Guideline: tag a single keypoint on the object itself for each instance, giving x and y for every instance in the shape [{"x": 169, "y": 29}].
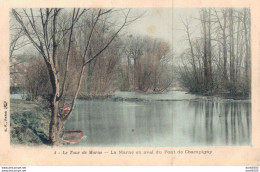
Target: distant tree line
[
  {"x": 131, "y": 63},
  {"x": 146, "y": 64},
  {"x": 218, "y": 59}
]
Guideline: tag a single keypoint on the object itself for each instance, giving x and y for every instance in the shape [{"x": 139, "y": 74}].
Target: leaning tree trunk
[{"x": 56, "y": 125}]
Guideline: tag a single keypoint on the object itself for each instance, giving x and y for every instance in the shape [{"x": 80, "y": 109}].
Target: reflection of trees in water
[
  {"x": 248, "y": 121},
  {"x": 221, "y": 123},
  {"x": 128, "y": 124},
  {"x": 209, "y": 121},
  {"x": 162, "y": 123},
  {"x": 226, "y": 110}
]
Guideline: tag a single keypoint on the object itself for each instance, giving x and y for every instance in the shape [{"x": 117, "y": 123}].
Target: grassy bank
[
  {"x": 29, "y": 123},
  {"x": 97, "y": 96},
  {"x": 227, "y": 95}
]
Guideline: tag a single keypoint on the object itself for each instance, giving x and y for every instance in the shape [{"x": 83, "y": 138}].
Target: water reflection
[
  {"x": 162, "y": 123},
  {"x": 222, "y": 123}
]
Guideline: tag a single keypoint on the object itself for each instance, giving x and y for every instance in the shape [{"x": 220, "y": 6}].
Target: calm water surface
[{"x": 162, "y": 120}]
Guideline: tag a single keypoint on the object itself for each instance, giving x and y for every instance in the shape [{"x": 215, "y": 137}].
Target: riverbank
[
  {"x": 167, "y": 95},
  {"x": 101, "y": 96},
  {"x": 29, "y": 123},
  {"x": 238, "y": 96},
  {"x": 113, "y": 95}
]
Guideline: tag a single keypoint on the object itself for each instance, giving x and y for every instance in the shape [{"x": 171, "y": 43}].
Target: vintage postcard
[{"x": 130, "y": 82}]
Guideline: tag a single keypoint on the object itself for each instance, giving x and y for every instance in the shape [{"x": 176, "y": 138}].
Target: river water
[{"x": 170, "y": 119}]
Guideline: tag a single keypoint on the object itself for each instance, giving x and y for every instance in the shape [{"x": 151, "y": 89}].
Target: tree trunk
[
  {"x": 248, "y": 55},
  {"x": 211, "y": 85},
  {"x": 195, "y": 74},
  {"x": 56, "y": 125},
  {"x": 208, "y": 80},
  {"x": 225, "y": 75},
  {"x": 232, "y": 71}
]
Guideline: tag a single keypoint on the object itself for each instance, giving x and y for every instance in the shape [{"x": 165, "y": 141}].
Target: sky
[
  {"x": 162, "y": 23},
  {"x": 165, "y": 24}
]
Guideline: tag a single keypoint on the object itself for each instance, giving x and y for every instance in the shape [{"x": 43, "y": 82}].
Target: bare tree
[
  {"x": 223, "y": 27},
  {"x": 36, "y": 79},
  {"x": 187, "y": 26},
  {"x": 42, "y": 28},
  {"x": 149, "y": 69},
  {"x": 221, "y": 52},
  {"x": 246, "y": 24},
  {"x": 134, "y": 51}
]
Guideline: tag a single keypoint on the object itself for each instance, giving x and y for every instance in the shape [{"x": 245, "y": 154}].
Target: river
[{"x": 175, "y": 118}]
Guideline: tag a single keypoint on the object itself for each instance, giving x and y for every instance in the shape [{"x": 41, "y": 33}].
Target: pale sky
[{"x": 164, "y": 23}]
